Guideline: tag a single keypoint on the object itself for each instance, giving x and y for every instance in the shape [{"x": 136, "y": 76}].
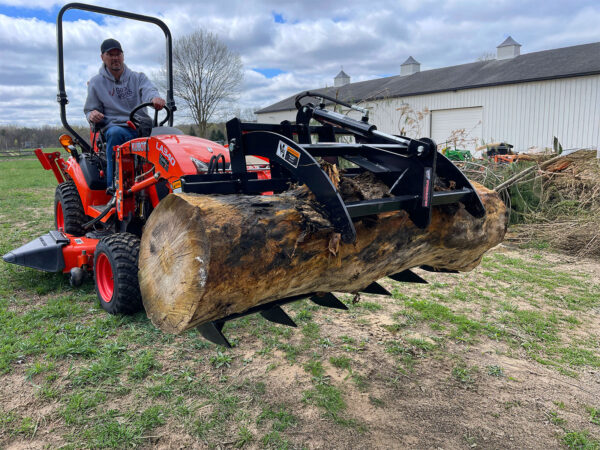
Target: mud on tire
[
  {"x": 68, "y": 210},
  {"x": 116, "y": 273}
]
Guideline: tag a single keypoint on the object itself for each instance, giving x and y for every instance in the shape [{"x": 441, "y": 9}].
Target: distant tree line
[{"x": 13, "y": 137}]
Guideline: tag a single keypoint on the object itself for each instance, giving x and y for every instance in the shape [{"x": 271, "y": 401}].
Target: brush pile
[{"x": 554, "y": 204}]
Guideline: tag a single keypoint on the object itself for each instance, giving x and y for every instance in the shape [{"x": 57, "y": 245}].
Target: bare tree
[
  {"x": 206, "y": 75},
  {"x": 245, "y": 114},
  {"x": 487, "y": 56}
]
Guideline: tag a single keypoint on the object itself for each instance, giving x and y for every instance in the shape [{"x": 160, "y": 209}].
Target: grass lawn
[{"x": 507, "y": 355}]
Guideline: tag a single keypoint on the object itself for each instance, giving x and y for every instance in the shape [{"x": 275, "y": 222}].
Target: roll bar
[{"x": 61, "y": 97}]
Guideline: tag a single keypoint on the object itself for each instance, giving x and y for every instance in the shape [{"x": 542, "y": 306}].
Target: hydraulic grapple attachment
[
  {"x": 412, "y": 169},
  {"x": 417, "y": 176}
]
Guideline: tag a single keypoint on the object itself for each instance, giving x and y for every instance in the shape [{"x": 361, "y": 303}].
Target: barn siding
[{"x": 524, "y": 114}]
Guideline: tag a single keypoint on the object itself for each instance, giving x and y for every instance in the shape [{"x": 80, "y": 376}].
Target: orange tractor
[{"x": 99, "y": 232}]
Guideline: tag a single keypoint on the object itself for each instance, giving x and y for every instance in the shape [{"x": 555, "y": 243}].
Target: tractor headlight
[{"x": 201, "y": 167}]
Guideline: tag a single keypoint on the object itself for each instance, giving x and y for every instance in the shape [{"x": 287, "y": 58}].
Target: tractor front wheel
[
  {"x": 69, "y": 216},
  {"x": 116, "y": 273}
]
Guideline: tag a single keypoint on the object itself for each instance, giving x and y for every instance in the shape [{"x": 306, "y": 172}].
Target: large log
[{"x": 206, "y": 257}]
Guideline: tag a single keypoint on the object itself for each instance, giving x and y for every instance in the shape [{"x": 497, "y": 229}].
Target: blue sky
[
  {"x": 285, "y": 46},
  {"x": 48, "y": 15}
]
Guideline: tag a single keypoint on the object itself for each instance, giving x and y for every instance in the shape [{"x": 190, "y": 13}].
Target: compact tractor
[{"x": 100, "y": 233}]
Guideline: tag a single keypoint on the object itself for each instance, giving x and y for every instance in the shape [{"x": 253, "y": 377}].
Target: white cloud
[{"x": 367, "y": 39}]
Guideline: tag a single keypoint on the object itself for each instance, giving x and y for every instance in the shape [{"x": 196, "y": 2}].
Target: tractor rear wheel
[
  {"x": 116, "y": 273},
  {"x": 69, "y": 216}
]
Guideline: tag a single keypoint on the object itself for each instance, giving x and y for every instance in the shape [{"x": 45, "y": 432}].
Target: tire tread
[
  {"x": 73, "y": 214},
  {"x": 123, "y": 250}
]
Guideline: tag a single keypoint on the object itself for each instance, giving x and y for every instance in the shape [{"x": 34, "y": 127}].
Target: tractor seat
[
  {"x": 165, "y": 130},
  {"x": 91, "y": 166}
]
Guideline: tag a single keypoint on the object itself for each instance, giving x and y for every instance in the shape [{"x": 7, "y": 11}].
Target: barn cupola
[
  {"x": 410, "y": 66},
  {"x": 341, "y": 79},
  {"x": 508, "y": 49}
]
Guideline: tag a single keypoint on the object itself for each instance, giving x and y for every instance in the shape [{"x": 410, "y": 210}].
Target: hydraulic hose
[{"x": 95, "y": 220}]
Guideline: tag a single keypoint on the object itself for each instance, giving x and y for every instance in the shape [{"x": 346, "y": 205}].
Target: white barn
[{"x": 524, "y": 100}]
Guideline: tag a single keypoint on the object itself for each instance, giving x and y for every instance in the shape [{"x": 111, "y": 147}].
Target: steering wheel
[{"x": 155, "y": 121}]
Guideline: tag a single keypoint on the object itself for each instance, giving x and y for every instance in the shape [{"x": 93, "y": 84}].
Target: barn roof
[{"x": 578, "y": 60}]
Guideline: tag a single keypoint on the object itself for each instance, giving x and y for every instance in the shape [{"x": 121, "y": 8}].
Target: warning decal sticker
[
  {"x": 288, "y": 154},
  {"x": 176, "y": 186},
  {"x": 426, "y": 187}
]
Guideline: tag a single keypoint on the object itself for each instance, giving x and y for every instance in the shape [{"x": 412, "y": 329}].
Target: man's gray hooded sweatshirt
[{"x": 115, "y": 99}]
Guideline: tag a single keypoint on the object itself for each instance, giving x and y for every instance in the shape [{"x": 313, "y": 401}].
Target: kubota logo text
[{"x": 166, "y": 154}]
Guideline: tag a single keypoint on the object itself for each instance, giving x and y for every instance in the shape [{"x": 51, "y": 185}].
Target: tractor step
[{"x": 99, "y": 208}]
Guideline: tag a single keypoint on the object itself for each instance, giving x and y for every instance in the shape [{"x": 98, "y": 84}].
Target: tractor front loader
[{"x": 199, "y": 234}]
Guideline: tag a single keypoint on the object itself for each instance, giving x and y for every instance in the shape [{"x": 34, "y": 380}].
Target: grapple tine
[
  {"x": 211, "y": 331},
  {"x": 278, "y": 315},
  {"x": 433, "y": 269},
  {"x": 328, "y": 300},
  {"x": 376, "y": 288},
  {"x": 408, "y": 276}
]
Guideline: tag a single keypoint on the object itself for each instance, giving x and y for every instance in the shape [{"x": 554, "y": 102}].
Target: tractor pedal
[
  {"x": 328, "y": 301},
  {"x": 376, "y": 288},
  {"x": 211, "y": 331},
  {"x": 278, "y": 315},
  {"x": 99, "y": 208},
  {"x": 434, "y": 269},
  {"x": 408, "y": 276}
]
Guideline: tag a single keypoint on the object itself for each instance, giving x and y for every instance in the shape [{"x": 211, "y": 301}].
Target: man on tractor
[{"x": 112, "y": 94}]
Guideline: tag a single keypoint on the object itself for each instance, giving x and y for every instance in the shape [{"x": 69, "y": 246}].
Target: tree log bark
[{"x": 205, "y": 257}]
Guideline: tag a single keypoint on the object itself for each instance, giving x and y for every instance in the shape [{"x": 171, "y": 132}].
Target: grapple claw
[
  {"x": 328, "y": 300},
  {"x": 435, "y": 269},
  {"x": 278, "y": 315},
  {"x": 376, "y": 288},
  {"x": 408, "y": 276},
  {"x": 211, "y": 331}
]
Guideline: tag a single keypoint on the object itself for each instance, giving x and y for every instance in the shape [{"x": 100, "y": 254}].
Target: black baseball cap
[{"x": 110, "y": 44}]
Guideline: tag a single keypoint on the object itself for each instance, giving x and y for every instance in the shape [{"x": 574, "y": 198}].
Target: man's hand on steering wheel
[{"x": 158, "y": 103}]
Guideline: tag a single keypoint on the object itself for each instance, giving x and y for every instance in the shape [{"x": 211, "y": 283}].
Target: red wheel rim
[
  {"x": 104, "y": 278},
  {"x": 60, "y": 218}
]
